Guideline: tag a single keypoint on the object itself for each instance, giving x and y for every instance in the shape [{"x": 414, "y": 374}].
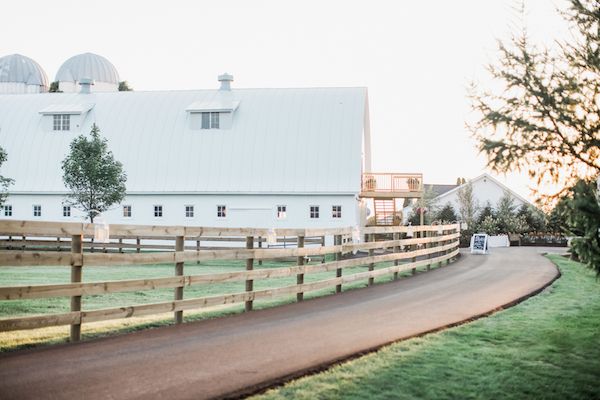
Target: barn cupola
[{"x": 225, "y": 80}]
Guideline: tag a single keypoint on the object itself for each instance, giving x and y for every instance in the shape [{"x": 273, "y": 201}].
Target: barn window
[
  {"x": 314, "y": 211},
  {"x": 66, "y": 211},
  {"x": 221, "y": 211},
  {"x": 37, "y": 211},
  {"x": 127, "y": 211},
  {"x": 62, "y": 122},
  {"x": 158, "y": 211},
  {"x": 336, "y": 211},
  {"x": 189, "y": 211},
  {"x": 281, "y": 212},
  {"x": 8, "y": 210},
  {"x": 210, "y": 120}
]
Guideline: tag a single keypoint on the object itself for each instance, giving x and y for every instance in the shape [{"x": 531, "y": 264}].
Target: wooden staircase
[{"x": 385, "y": 209}]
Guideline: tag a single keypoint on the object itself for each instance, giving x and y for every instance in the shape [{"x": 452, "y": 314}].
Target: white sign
[
  {"x": 101, "y": 230},
  {"x": 479, "y": 243}
]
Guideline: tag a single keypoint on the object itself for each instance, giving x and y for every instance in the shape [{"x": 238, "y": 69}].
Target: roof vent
[
  {"x": 225, "y": 80},
  {"x": 86, "y": 85}
]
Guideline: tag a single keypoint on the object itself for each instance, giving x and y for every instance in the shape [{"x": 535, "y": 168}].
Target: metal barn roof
[
  {"x": 87, "y": 65},
  {"x": 281, "y": 140},
  {"x": 20, "y": 69}
]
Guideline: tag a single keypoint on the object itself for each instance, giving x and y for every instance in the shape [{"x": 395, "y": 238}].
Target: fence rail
[{"x": 434, "y": 244}]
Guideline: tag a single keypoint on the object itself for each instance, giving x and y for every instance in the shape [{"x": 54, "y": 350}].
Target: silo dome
[
  {"x": 20, "y": 74},
  {"x": 89, "y": 66}
]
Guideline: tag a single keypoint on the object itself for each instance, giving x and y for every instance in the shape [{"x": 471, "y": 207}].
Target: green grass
[
  {"x": 547, "y": 347},
  {"x": 16, "y": 276}
]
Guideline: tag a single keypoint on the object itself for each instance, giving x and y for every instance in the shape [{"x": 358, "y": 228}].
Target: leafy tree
[
  {"x": 460, "y": 181},
  {"x": 545, "y": 117},
  {"x": 489, "y": 225},
  {"x": 96, "y": 180},
  {"x": 486, "y": 211},
  {"x": 428, "y": 203},
  {"x": 124, "y": 87},
  {"x": 534, "y": 218},
  {"x": 4, "y": 182},
  {"x": 582, "y": 211},
  {"x": 505, "y": 213},
  {"x": 54, "y": 87},
  {"x": 468, "y": 206},
  {"x": 446, "y": 214}
]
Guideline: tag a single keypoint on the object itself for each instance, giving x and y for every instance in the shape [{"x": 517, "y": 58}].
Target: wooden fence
[{"x": 36, "y": 246}]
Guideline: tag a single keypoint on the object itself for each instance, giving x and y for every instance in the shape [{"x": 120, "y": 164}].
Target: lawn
[
  {"x": 16, "y": 276},
  {"x": 546, "y": 347}
]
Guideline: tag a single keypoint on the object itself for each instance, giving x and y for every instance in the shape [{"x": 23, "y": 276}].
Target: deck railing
[
  {"x": 406, "y": 248},
  {"x": 373, "y": 182}
]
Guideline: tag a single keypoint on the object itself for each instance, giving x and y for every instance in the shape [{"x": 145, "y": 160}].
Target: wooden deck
[{"x": 391, "y": 185}]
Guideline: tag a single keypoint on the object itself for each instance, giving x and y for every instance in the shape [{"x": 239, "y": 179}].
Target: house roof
[
  {"x": 439, "y": 189},
  {"x": 281, "y": 140},
  {"x": 485, "y": 175}
]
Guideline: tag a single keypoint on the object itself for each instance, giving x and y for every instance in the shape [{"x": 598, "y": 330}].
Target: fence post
[
  {"x": 138, "y": 245},
  {"x": 337, "y": 240},
  {"x": 428, "y": 246},
  {"x": 179, "y": 243},
  {"x": 260, "y": 247},
  {"x": 323, "y": 244},
  {"x": 300, "y": 277},
  {"x": 120, "y": 245},
  {"x": 371, "y": 253},
  {"x": 413, "y": 248},
  {"x": 249, "y": 267},
  {"x": 396, "y": 236},
  {"x": 198, "y": 251},
  {"x": 76, "y": 272}
]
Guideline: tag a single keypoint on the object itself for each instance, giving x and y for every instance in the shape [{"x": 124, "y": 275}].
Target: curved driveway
[{"x": 239, "y": 354}]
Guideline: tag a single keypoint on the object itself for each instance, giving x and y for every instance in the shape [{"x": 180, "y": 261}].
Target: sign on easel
[{"x": 479, "y": 243}]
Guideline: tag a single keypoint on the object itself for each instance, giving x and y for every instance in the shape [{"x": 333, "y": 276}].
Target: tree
[
  {"x": 428, "y": 203},
  {"x": 582, "y": 210},
  {"x": 124, "y": 87},
  {"x": 54, "y": 87},
  {"x": 460, "y": 181},
  {"x": 96, "y": 180},
  {"x": 4, "y": 182},
  {"x": 533, "y": 217},
  {"x": 468, "y": 206},
  {"x": 545, "y": 118},
  {"x": 447, "y": 214},
  {"x": 486, "y": 211}
]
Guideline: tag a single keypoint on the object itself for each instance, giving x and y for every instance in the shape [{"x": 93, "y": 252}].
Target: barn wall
[{"x": 242, "y": 210}]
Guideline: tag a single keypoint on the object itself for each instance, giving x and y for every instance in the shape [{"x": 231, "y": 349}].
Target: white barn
[{"x": 219, "y": 157}]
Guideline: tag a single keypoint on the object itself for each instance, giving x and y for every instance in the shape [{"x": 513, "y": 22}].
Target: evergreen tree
[
  {"x": 582, "y": 211},
  {"x": 447, "y": 214},
  {"x": 124, "y": 87},
  {"x": 545, "y": 116},
  {"x": 486, "y": 211},
  {"x": 96, "y": 180}
]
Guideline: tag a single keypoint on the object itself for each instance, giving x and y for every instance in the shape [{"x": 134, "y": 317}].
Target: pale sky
[{"x": 415, "y": 57}]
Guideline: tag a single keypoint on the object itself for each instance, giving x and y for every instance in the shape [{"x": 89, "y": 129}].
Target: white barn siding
[
  {"x": 296, "y": 146},
  {"x": 242, "y": 210}
]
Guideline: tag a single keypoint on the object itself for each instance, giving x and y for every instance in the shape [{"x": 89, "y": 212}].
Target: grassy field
[
  {"x": 16, "y": 276},
  {"x": 547, "y": 347}
]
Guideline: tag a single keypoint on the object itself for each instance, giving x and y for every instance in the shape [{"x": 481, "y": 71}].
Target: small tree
[
  {"x": 124, "y": 87},
  {"x": 53, "y": 87},
  {"x": 582, "y": 211},
  {"x": 446, "y": 214},
  {"x": 468, "y": 206},
  {"x": 486, "y": 211},
  {"x": 96, "y": 180},
  {"x": 534, "y": 218},
  {"x": 4, "y": 182},
  {"x": 505, "y": 213}
]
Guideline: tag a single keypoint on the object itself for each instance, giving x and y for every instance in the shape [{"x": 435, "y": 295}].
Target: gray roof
[
  {"x": 440, "y": 189},
  {"x": 87, "y": 65},
  {"x": 20, "y": 69},
  {"x": 281, "y": 140}
]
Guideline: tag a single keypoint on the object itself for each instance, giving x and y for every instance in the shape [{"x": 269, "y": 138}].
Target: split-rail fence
[{"x": 34, "y": 243}]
